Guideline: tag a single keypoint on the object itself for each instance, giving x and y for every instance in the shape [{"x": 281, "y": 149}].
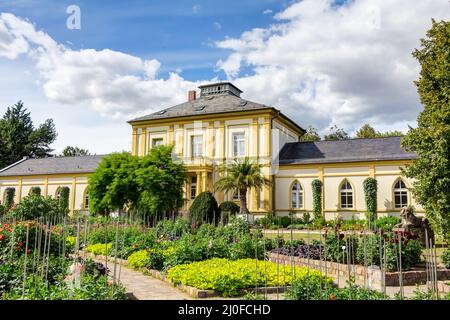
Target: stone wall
[{"x": 371, "y": 277}]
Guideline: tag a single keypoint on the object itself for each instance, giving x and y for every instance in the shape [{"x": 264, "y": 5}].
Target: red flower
[
  {"x": 2, "y": 236},
  {"x": 20, "y": 244},
  {"x": 332, "y": 297}
]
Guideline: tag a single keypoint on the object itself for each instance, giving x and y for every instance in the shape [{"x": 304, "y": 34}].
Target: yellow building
[
  {"x": 50, "y": 175},
  {"x": 218, "y": 126}
]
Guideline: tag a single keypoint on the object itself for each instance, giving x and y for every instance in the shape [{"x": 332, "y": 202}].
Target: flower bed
[{"x": 230, "y": 277}]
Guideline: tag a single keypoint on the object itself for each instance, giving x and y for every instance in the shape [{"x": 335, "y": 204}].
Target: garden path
[{"x": 144, "y": 287}]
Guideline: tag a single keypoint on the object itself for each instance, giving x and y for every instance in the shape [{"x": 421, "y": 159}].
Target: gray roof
[
  {"x": 352, "y": 150},
  {"x": 212, "y": 104},
  {"x": 54, "y": 165}
]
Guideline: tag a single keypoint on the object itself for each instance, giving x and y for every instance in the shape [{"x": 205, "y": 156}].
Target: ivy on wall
[
  {"x": 9, "y": 200},
  {"x": 370, "y": 193},
  {"x": 64, "y": 199},
  {"x": 317, "y": 198},
  {"x": 35, "y": 191}
]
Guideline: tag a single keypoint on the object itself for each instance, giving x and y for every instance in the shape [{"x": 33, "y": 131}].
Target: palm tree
[{"x": 240, "y": 176}]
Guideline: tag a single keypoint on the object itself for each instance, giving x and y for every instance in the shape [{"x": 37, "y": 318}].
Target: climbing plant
[
  {"x": 370, "y": 186},
  {"x": 35, "y": 191},
  {"x": 317, "y": 198},
  {"x": 64, "y": 199},
  {"x": 9, "y": 200}
]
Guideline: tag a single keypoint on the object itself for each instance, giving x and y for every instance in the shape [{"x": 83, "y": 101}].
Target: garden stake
[
  {"x": 256, "y": 266},
  {"x": 12, "y": 239},
  {"x": 426, "y": 259},
  {"x": 48, "y": 252},
  {"x": 115, "y": 256},
  {"x": 278, "y": 257},
  {"x": 435, "y": 271},
  {"x": 25, "y": 262},
  {"x": 365, "y": 258},
  {"x": 45, "y": 250},
  {"x": 35, "y": 244}
]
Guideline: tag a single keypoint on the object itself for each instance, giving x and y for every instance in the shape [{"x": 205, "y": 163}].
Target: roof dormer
[{"x": 219, "y": 88}]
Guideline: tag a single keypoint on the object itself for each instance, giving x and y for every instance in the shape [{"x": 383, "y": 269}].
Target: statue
[{"x": 415, "y": 227}]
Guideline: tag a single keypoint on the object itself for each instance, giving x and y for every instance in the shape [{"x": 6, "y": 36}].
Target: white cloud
[
  {"x": 267, "y": 11},
  {"x": 318, "y": 63},
  {"x": 113, "y": 83},
  {"x": 344, "y": 65},
  {"x": 217, "y": 25},
  {"x": 195, "y": 8}
]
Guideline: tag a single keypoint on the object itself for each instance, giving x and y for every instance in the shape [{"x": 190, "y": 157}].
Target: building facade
[{"x": 218, "y": 126}]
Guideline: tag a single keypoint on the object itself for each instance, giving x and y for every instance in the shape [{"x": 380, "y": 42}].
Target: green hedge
[
  {"x": 204, "y": 209},
  {"x": 370, "y": 186},
  {"x": 317, "y": 198}
]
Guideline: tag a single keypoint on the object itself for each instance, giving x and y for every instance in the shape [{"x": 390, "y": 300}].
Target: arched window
[
  {"x": 400, "y": 194},
  {"x": 346, "y": 194},
  {"x": 86, "y": 199},
  {"x": 296, "y": 195},
  {"x": 58, "y": 193}
]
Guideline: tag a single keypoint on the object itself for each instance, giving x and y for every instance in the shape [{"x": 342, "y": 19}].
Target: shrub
[
  {"x": 387, "y": 223},
  {"x": 230, "y": 277},
  {"x": 36, "y": 191},
  {"x": 63, "y": 199},
  {"x": 446, "y": 258},
  {"x": 139, "y": 259},
  {"x": 310, "y": 287},
  {"x": 317, "y": 198},
  {"x": 204, "y": 209},
  {"x": 229, "y": 206},
  {"x": 315, "y": 288},
  {"x": 228, "y": 209},
  {"x": 35, "y": 206},
  {"x": 370, "y": 186},
  {"x": 411, "y": 252},
  {"x": 100, "y": 248},
  {"x": 334, "y": 248},
  {"x": 9, "y": 199}
]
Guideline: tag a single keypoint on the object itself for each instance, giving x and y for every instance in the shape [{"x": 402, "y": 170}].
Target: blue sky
[
  {"x": 321, "y": 62},
  {"x": 179, "y": 34}
]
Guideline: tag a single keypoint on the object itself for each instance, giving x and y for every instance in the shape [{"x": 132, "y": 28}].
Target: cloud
[
  {"x": 319, "y": 63},
  {"x": 217, "y": 25},
  {"x": 267, "y": 11},
  {"x": 114, "y": 83},
  {"x": 195, "y": 8},
  {"x": 324, "y": 64}
]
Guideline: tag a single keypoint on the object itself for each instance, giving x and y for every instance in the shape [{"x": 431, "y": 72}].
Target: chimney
[{"x": 192, "y": 95}]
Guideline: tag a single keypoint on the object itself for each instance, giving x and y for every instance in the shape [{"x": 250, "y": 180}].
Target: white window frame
[
  {"x": 297, "y": 196},
  {"x": 346, "y": 191},
  {"x": 196, "y": 146},
  {"x": 401, "y": 192},
  {"x": 239, "y": 144}
]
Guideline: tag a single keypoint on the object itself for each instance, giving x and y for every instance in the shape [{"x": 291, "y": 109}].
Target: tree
[
  {"x": 70, "y": 151},
  {"x": 239, "y": 177},
  {"x": 160, "y": 182},
  {"x": 113, "y": 184},
  {"x": 431, "y": 139},
  {"x": 336, "y": 134},
  {"x": 19, "y": 138},
  {"x": 366, "y": 131},
  {"x": 310, "y": 135},
  {"x": 394, "y": 133},
  {"x": 204, "y": 209},
  {"x": 151, "y": 185}
]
